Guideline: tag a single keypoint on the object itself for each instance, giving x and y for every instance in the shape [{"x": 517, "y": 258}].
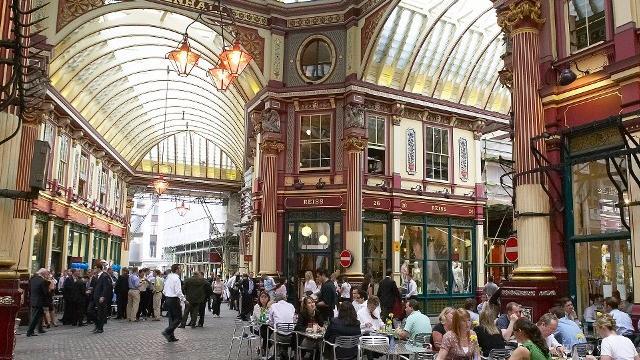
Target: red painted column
[
  {"x": 533, "y": 282},
  {"x": 10, "y": 298},
  {"x": 354, "y": 147},
  {"x": 269, "y": 174}
]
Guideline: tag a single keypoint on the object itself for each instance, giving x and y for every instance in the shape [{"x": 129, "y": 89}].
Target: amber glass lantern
[
  {"x": 235, "y": 59},
  {"x": 182, "y": 58}
]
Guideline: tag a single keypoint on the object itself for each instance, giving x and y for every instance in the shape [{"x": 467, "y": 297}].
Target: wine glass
[{"x": 589, "y": 348}]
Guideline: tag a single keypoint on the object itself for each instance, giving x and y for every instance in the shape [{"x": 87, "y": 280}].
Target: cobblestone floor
[{"x": 131, "y": 341}]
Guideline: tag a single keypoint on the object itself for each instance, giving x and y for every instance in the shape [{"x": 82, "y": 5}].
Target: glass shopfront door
[{"x": 312, "y": 246}]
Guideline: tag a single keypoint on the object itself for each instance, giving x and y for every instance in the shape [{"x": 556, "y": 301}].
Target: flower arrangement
[
  {"x": 473, "y": 338},
  {"x": 475, "y": 323},
  {"x": 389, "y": 321},
  {"x": 580, "y": 336}
]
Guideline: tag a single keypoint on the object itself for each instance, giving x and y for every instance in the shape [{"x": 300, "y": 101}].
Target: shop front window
[
  {"x": 603, "y": 268},
  {"x": 411, "y": 254},
  {"x": 438, "y": 260},
  {"x": 586, "y": 23},
  {"x": 78, "y": 244},
  {"x": 461, "y": 260},
  {"x": 374, "y": 249},
  {"x": 596, "y": 204},
  {"x": 39, "y": 245},
  {"x": 314, "y": 236}
]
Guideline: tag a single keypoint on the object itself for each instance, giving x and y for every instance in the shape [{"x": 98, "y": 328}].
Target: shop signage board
[
  {"x": 511, "y": 249},
  {"x": 309, "y": 202},
  {"x": 345, "y": 258},
  {"x": 432, "y": 207},
  {"x": 376, "y": 203},
  {"x": 464, "y": 159},
  {"x": 411, "y": 151}
]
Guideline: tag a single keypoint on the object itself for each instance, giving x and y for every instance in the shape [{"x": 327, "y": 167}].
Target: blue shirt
[
  {"x": 268, "y": 284},
  {"x": 417, "y": 323},
  {"x": 569, "y": 333},
  {"x": 134, "y": 281}
]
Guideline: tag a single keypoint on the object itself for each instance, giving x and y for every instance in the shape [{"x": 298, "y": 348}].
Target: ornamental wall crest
[
  {"x": 438, "y": 119},
  {"x": 253, "y": 43},
  {"x": 69, "y": 10},
  {"x": 527, "y": 11},
  {"x": 270, "y": 120},
  {"x": 6, "y": 300},
  {"x": 353, "y": 116},
  {"x": 317, "y": 104},
  {"x": 377, "y": 106},
  {"x": 413, "y": 114}
]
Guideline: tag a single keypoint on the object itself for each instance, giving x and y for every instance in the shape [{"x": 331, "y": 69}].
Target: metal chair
[
  {"x": 499, "y": 354},
  {"x": 371, "y": 340},
  {"x": 242, "y": 333},
  {"x": 299, "y": 347},
  {"x": 282, "y": 335},
  {"x": 420, "y": 356},
  {"x": 581, "y": 349},
  {"x": 345, "y": 342}
]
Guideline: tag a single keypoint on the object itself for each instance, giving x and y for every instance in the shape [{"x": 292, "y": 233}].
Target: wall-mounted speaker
[{"x": 38, "y": 174}]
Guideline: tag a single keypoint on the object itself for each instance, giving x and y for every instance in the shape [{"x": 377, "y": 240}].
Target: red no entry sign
[
  {"x": 511, "y": 249},
  {"x": 345, "y": 258}
]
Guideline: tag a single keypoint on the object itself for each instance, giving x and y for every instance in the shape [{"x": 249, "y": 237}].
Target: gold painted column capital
[
  {"x": 271, "y": 147},
  {"x": 354, "y": 143},
  {"x": 524, "y": 15}
]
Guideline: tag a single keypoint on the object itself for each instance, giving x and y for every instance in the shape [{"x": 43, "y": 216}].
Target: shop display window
[
  {"x": 39, "y": 246},
  {"x": 374, "y": 239},
  {"x": 595, "y": 198},
  {"x": 411, "y": 254}
]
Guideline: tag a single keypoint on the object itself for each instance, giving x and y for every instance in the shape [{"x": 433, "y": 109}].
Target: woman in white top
[
  {"x": 614, "y": 346},
  {"x": 310, "y": 286},
  {"x": 369, "y": 316}
]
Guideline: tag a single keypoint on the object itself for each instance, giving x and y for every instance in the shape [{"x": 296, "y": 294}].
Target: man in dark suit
[
  {"x": 122, "y": 291},
  {"x": 68, "y": 297},
  {"x": 208, "y": 292},
  {"x": 37, "y": 298},
  {"x": 388, "y": 294},
  {"x": 102, "y": 294}
]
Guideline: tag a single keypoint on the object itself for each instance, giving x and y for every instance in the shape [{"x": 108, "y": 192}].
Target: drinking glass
[{"x": 589, "y": 348}]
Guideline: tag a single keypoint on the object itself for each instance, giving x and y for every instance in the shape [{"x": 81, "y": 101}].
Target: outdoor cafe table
[{"x": 401, "y": 348}]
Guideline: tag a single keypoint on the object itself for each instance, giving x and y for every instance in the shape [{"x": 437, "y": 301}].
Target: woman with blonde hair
[
  {"x": 489, "y": 336},
  {"x": 310, "y": 286},
  {"x": 614, "y": 346},
  {"x": 460, "y": 342},
  {"x": 438, "y": 331}
]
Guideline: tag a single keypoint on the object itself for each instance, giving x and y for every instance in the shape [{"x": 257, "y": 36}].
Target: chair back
[
  {"x": 581, "y": 349},
  {"x": 499, "y": 354},
  {"x": 425, "y": 356},
  {"x": 422, "y": 339},
  {"x": 347, "y": 342},
  {"x": 285, "y": 328},
  {"x": 373, "y": 340}
]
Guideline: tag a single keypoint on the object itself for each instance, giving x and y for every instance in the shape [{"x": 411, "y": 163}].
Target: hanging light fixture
[
  {"x": 160, "y": 185},
  {"x": 234, "y": 59},
  {"x": 323, "y": 239},
  {"x": 306, "y": 231},
  {"x": 182, "y": 58},
  {"x": 221, "y": 77},
  {"x": 182, "y": 209}
]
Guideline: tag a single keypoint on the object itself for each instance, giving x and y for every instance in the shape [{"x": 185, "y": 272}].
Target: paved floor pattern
[{"x": 131, "y": 341}]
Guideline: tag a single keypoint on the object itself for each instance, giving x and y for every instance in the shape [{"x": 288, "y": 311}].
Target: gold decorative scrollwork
[
  {"x": 522, "y": 12},
  {"x": 271, "y": 147},
  {"x": 6, "y": 300},
  {"x": 355, "y": 143}
]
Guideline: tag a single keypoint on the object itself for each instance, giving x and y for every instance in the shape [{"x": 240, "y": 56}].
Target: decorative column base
[
  {"x": 354, "y": 244},
  {"x": 535, "y": 296},
  {"x": 9, "y": 306}
]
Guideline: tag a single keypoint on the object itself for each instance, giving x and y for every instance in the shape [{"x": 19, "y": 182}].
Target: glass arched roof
[
  {"x": 189, "y": 153},
  {"x": 448, "y": 50},
  {"x": 113, "y": 70}
]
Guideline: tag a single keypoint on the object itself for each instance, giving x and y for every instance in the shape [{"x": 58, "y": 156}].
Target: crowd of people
[{"x": 328, "y": 302}]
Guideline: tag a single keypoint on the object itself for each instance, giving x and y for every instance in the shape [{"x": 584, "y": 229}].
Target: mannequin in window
[{"x": 458, "y": 277}]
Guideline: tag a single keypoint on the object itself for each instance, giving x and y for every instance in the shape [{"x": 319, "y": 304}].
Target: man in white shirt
[
  {"x": 624, "y": 326},
  {"x": 281, "y": 312},
  {"x": 590, "y": 312},
  {"x": 412, "y": 287},
  {"x": 173, "y": 295},
  {"x": 345, "y": 289}
]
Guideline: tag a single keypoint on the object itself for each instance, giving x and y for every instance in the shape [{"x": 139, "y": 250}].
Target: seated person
[
  {"x": 548, "y": 324},
  {"x": 416, "y": 322},
  {"x": 358, "y": 299},
  {"x": 506, "y": 321},
  {"x": 281, "y": 312},
  {"x": 489, "y": 336},
  {"x": 470, "y": 306},
  {"x": 568, "y": 332},
  {"x": 438, "y": 331},
  {"x": 369, "y": 316},
  {"x": 589, "y": 314},
  {"x": 345, "y": 324},
  {"x": 309, "y": 318},
  {"x": 624, "y": 326},
  {"x": 569, "y": 310},
  {"x": 614, "y": 346}
]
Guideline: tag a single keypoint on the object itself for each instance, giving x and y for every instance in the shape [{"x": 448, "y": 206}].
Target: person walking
[
  {"x": 208, "y": 291},
  {"x": 133, "y": 296},
  {"x": 158, "y": 286},
  {"x": 388, "y": 294},
  {"x": 173, "y": 295},
  {"x": 102, "y": 294},
  {"x": 194, "y": 291},
  {"x": 218, "y": 290},
  {"x": 122, "y": 290},
  {"x": 38, "y": 294}
]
